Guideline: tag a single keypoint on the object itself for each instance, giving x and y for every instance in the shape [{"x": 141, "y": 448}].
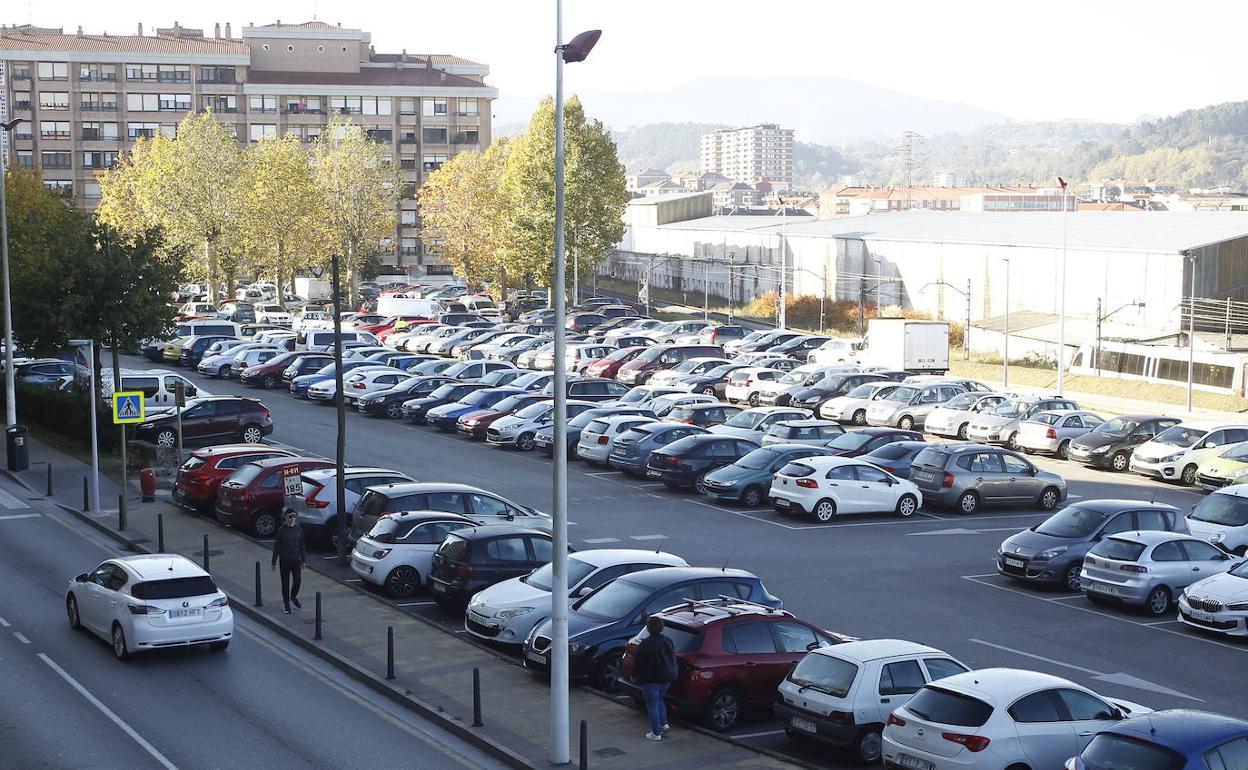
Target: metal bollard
[
  {"x": 476, "y": 698},
  {"x": 86, "y": 499},
  {"x": 584, "y": 745},
  {"x": 121, "y": 512},
  {"x": 259, "y": 602},
  {"x": 160, "y": 532},
  {"x": 389, "y": 652},
  {"x": 206, "y": 554},
  {"x": 49, "y": 479},
  {"x": 317, "y": 635}
]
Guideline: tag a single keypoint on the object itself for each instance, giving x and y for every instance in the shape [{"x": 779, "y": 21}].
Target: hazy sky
[{"x": 1098, "y": 59}]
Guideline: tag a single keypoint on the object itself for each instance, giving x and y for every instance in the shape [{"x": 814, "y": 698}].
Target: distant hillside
[{"x": 668, "y": 146}]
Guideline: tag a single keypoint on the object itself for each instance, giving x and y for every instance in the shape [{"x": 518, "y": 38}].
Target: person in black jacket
[
  {"x": 655, "y": 669},
  {"x": 289, "y": 553}
]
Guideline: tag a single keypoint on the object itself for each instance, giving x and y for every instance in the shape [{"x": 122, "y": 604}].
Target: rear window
[
  {"x": 934, "y": 704},
  {"x": 825, "y": 674},
  {"x": 455, "y": 548},
  {"x": 681, "y": 413},
  {"x": 1121, "y": 550},
  {"x": 245, "y": 475},
  {"x": 1118, "y": 752},
  {"x": 892, "y": 452},
  {"x": 174, "y": 588},
  {"x": 796, "y": 470},
  {"x": 684, "y": 638},
  {"x": 932, "y": 458},
  {"x": 193, "y": 463}
]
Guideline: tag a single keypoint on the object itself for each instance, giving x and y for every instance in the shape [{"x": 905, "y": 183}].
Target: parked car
[
  {"x": 753, "y": 424},
  {"x": 1000, "y": 425},
  {"x": 507, "y": 612},
  {"x": 690, "y": 367},
  {"x": 952, "y": 418},
  {"x": 217, "y": 361},
  {"x": 195, "y": 484},
  {"x": 642, "y": 394},
  {"x": 712, "y": 382},
  {"x": 594, "y": 444},
  {"x": 856, "y": 443},
  {"x": 836, "y": 350},
  {"x": 389, "y": 402},
  {"x": 301, "y": 386},
  {"x": 643, "y": 367},
  {"x": 149, "y": 602},
  {"x": 852, "y": 407},
  {"x": 475, "y": 558},
  {"x": 192, "y": 350},
  {"x": 813, "y": 432},
  {"x": 1052, "y": 551},
  {"x": 1110, "y": 444},
  {"x": 253, "y": 357},
  {"x": 448, "y": 393},
  {"x": 1221, "y": 518},
  {"x": 1148, "y": 569},
  {"x": 238, "y": 312},
  {"x": 446, "y": 417},
  {"x": 1174, "y": 739},
  {"x": 779, "y": 391},
  {"x": 685, "y": 463},
  {"x": 842, "y": 695},
  {"x": 895, "y": 457},
  {"x": 1176, "y": 453},
  {"x": 703, "y": 415},
  {"x": 745, "y": 384},
  {"x": 661, "y": 406},
  {"x": 1218, "y": 603},
  {"x": 207, "y": 419},
  {"x": 823, "y": 487},
  {"x": 1226, "y": 468},
  {"x": 975, "y": 720},
  {"x": 1050, "y": 432},
  {"x": 252, "y": 498},
  {"x": 584, "y": 388},
  {"x": 630, "y": 451},
  {"x": 477, "y": 504},
  {"x": 397, "y": 553},
  {"x": 600, "y": 624},
  {"x": 519, "y": 429},
  {"x": 966, "y": 476},
  {"x": 474, "y": 425},
  {"x": 368, "y": 376},
  {"x": 305, "y": 363},
  {"x": 747, "y": 480},
  {"x": 908, "y": 406},
  {"x": 544, "y": 439},
  {"x": 833, "y": 384},
  {"x": 317, "y": 508},
  {"x": 609, "y": 365},
  {"x": 273, "y": 314}
]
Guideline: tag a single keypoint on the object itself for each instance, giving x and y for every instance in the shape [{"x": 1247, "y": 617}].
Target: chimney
[
  {"x": 79, "y": 33},
  {"x": 442, "y": 75},
  {"x": 216, "y": 30},
  {"x": 227, "y": 31},
  {"x": 428, "y": 63},
  {"x": 140, "y": 29}
]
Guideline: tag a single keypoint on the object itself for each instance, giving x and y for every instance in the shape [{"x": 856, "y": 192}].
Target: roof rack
[{"x": 722, "y": 603}]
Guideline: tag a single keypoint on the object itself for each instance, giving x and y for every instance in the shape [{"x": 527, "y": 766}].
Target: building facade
[
  {"x": 84, "y": 99},
  {"x": 751, "y": 155}
]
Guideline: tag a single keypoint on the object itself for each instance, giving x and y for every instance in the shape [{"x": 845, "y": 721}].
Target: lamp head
[
  {"x": 581, "y": 45},
  {"x": 12, "y": 124}
]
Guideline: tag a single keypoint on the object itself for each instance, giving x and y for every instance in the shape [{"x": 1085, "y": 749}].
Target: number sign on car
[{"x": 292, "y": 484}]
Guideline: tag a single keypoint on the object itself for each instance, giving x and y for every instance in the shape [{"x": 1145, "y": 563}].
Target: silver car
[
  {"x": 908, "y": 406},
  {"x": 811, "y": 432},
  {"x": 1149, "y": 568},
  {"x": 317, "y": 508},
  {"x": 951, "y": 419},
  {"x": 598, "y": 437},
  {"x": 966, "y": 476},
  {"x": 1000, "y": 426},
  {"x": 1050, "y": 432},
  {"x": 852, "y": 407}
]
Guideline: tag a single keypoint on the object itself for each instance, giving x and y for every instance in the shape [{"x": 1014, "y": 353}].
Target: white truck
[
  {"x": 403, "y": 304},
  {"x": 312, "y": 289},
  {"x": 919, "y": 347}
]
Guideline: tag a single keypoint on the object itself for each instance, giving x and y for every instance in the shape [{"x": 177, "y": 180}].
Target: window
[
  {"x": 54, "y": 129},
  {"x": 219, "y": 103},
  {"x": 108, "y": 102},
  {"x": 216, "y": 74},
  {"x": 1015, "y": 465},
  {"x": 169, "y": 130},
  {"x": 141, "y": 72},
  {"x": 1083, "y": 706},
  {"x": 1037, "y": 707},
  {"x": 467, "y": 135},
  {"x": 749, "y": 639},
  {"x": 136, "y": 130},
  {"x": 901, "y": 678},
  {"x": 21, "y": 100},
  {"x": 451, "y": 502},
  {"x": 383, "y": 134},
  {"x": 407, "y": 217},
  {"x": 876, "y": 475},
  {"x": 1120, "y": 523},
  {"x": 21, "y": 72},
  {"x": 262, "y": 104},
  {"x": 982, "y": 462},
  {"x": 303, "y": 104},
  {"x": 466, "y": 108},
  {"x": 488, "y": 506},
  {"x": 261, "y": 131},
  {"x": 376, "y": 105},
  {"x": 794, "y": 637},
  {"x": 346, "y": 105},
  {"x": 1232, "y": 755},
  {"x": 1169, "y": 551},
  {"x": 407, "y": 106},
  {"x": 173, "y": 73},
  {"x": 1197, "y": 551},
  {"x": 175, "y": 102},
  {"x": 939, "y": 668},
  {"x": 54, "y": 100},
  {"x": 842, "y": 473},
  {"x": 432, "y": 107},
  {"x": 1151, "y": 520},
  {"x": 507, "y": 549},
  {"x": 433, "y": 135},
  {"x": 49, "y": 70},
  {"x": 142, "y": 102},
  {"x": 543, "y": 550},
  {"x": 95, "y": 130},
  {"x": 25, "y": 158},
  {"x": 56, "y": 159}
]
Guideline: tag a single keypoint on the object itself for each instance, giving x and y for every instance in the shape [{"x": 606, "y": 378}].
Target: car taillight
[
  {"x": 1050, "y": 433},
  {"x": 893, "y": 719},
  {"x": 312, "y": 502},
  {"x": 688, "y": 421},
  {"x": 144, "y": 609},
  {"x": 886, "y": 468},
  {"x": 358, "y": 385},
  {"x": 674, "y": 461},
  {"x": 1133, "y": 568},
  {"x": 844, "y": 717},
  {"x": 242, "y": 364},
  {"x": 807, "y": 483},
  {"x": 266, "y": 410},
  {"x": 220, "y": 601},
  {"x": 948, "y": 482},
  {"x": 603, "y": 439},
  {"x": 748, "y": 383},
  {"x": 971, "y": 742},
  {"x": 463, "y": 570},
  {"x": 246, "y": 496}
]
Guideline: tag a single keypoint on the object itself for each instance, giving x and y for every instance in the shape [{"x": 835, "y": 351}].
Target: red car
[
  {"x": 252, "y": 497},
  {"x": 475, "y": 424},
  {"x": 730, "y": 656},
  {"x": 611, "y": 363},
  {"x": 195, "y": 487},
  {"x": 408, "y": 321}
]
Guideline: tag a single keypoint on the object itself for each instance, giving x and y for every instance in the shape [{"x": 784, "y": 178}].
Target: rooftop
[
  {"x": 368, "y": 76},
  {"x": 36, "y": 39}
]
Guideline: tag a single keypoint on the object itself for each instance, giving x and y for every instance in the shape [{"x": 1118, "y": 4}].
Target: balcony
[
  {"x": 465, "y": 138},
  {"x": 90, "y": 78},
  {"x": 408, "y": 251},
  {"x": 262, "y": 110},
  {"x": 409, "y": 165},
  {"x": 300, "y": 110},
  {"x": 381, "y": 136},
  {"x": 21, "y": 76},
  {"x": 173, "y": 77},
  {"x": 408, "y": 139},
  {"x": 22, "y": 105},
  {"x": 97, "y": 107}
]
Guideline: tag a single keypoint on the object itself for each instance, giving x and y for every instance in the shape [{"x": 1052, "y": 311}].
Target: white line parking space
[
  {"x": 12, "y": 516},
  {"x": 11, "y": 502}
]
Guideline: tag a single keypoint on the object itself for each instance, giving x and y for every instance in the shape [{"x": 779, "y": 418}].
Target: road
[
  {"x": 929, "y": 579},
  {"x": 68, "y": 703}
]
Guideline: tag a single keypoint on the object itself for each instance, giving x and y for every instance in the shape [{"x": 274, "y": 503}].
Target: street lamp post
[
  {"x": 1005, "y": 358},
  {"x": 784, "y": 262},
  {"x": 560, "y": 744},
  {"x": 1061, "y": 302},
  {"x": 10, "y": 395},
  {"x": 1191, "y": 325}
]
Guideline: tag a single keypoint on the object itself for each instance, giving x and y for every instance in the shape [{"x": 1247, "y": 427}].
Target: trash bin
[{"x": 17, "y": 450}]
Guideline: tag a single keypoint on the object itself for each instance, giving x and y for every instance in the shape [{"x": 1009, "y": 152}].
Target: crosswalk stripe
[
  {"x": 598, "y": 540},
  {"x": 11, "y": 502}
]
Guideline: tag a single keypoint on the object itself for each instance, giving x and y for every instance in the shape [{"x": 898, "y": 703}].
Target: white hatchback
[
  {"x": 826, "y": 486},
  {"x": 397, "y": 553},
  {"x": 141, "y": 603},
  {"x": 1222, "y": 519},
  {"x": 598, "y": 438}
]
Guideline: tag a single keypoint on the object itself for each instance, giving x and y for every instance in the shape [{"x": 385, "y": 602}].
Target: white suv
[
  {"x": 1175, "y": 453},
  {"x": 1222, "y": 519}
]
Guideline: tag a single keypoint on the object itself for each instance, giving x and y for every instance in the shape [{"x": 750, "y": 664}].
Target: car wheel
[
  {"x": 268, "y": 382},
  {"x": 224, "y": 372},
  {"x": 1070, "y": 578},
  {"x": 708, "y": 391},
  {"x": 119, "y": 643},
  {"x": 753, "y": 399},
  {"x": 71, "y": 610},
  {"x": 962, "y": 431},
  {"x": 752, "y": 497},
  {"x": 1063, "y": 450},
  {"x": 606, "y": 676},
  {"x": 868, "y": 746},
  {"x": 252, "y": 434},
  {"x": 265, "y": 524},
  {"x": 699, "y": 483},
  {"x": 1012, "y": 441},
  {"x": 1189, "y": 475},
  {"x": 1049, "y": 499},
  {"x": 167, "y": 439},
  {"x": 825, "y": 510},
  {"x": 402, "y": 582},
  {"x": 723, "y": 710},
  {"x": 1158, "y": 601},
  {"x": 220, "y": 646},
  {"x": 907, "y": 505},
  {"x": 906, "y": 422},
  {"x": 394, "y": 410},
  {"x": 1119, "y": 461},
  {"x": 525, "y": 443},
  {"x": 860, "y": 417},
  {"x": 968, "y": 502}
]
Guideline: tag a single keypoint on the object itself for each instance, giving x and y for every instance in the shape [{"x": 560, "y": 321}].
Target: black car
[
  {"x": 600, "y": 624},
  {"x": 478, "y": 557},
  {"x": 238, "y": 312},
  {"x": 210, "y": 419},
  {"x": 895, "y": 457},
  {"x": 389, "y": 402},
  {"x": 582, "y": 322},
  {"x": 798, "y": 347},
  {"x": 768, "y": 341},
  {"x": 831, "y": 386},
  {"x": 590, "y": 388},
  {"x": 684, "y": 463},
  {"x": 856, "y": 443},
  {"x": 305, "y": 363},
  {"x": 713, "y": 381},
  {"x": 415, "y": 409},
  {"x": 1111, "y": 443}
]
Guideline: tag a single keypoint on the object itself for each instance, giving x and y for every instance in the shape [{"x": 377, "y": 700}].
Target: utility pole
[
  {"x": 1096, "y": 353},
  {"x": 10, "y": 390},
  {"x": 340, "y": 457},
  {"x": 783, "y": 262},
  {"x": 1191, "y": 325},
  {"x": 706, "y": 290},
  {"x": 966, "y": 334},
  {"x": 1061, "y": 302},
  {"x": 732, "y": 284},
  {"x": 1005, "y": 359}
]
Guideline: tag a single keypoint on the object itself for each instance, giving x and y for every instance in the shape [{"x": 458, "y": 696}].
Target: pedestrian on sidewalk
[
  {"x": 655, "y": 670},
  {"x": 289, "y": 553}
]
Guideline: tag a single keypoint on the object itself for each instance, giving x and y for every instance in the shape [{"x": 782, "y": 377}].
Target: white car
[
  {"x": 630, "y": 329},
  {"x": 273, "y": 314},
  {"x": 671, "y": 377},
  {"x": 998, "y": 719},
  {"x": 251, "y": 357},
  {"x": 838, "y": 350},
  {"x": 198, "y": 310},
  {"x": 366, "y": 377},
  {"x": 852, "y": 407},
  {"x": 597, "y": 439},
  {"x": 507, "y": 612},
  {"x": 744, "y": 384},
  {"x": 754, "y": 423},
  {"x": 520, "y": 429},
  {"x": 643, "y": 393},
  {"x": 397, "y": 552},
  {"x": 419, "y": 342},
  {"x": 141, "y": 603},
  {"x": 306, "y": 320},
  {"x": 1172, "y": 454},
  {"x": 661, "y": 405},
  {"x": 1218, "y": 603},
  {"x": 952, "y": 418},
  {"x": 1051, "y": 432},
  {"x": 824, "y": 487},
  {"x": 1222, "y": 519},
  {"x": 843, "y": 694}
]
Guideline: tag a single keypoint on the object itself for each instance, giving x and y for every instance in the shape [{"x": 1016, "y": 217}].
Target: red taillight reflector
[
  {"x": 603, "y": 439},
  {"x": 358, "y": 385},
  {"x": 893, "y": 719},
  {"x": 807, "y": 483},
  {"x": 971, "y": 742},
  {"x": 1133, "y": 568},
  {"x": 948, "y": 482},
  {"x": 1050, "y": 433}
]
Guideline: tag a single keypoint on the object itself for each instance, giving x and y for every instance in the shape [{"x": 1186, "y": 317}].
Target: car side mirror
[
  {"x": 584, "y": 591},
  {"x": 81, "y": 578}
]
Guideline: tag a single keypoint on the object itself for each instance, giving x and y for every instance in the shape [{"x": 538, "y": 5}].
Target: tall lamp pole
[
  {"x": 1190, "y": 258},
  {"x": 340, "y": 454},
  {"x": 10, "y": 396},
  {"x": 1061, "y": 302},
  {"x": 560, "y": 744},
  {"x": 1005, "y": 358}
]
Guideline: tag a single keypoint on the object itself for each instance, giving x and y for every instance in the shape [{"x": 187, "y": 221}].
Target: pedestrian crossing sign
[{"x": 128, "y": 407}]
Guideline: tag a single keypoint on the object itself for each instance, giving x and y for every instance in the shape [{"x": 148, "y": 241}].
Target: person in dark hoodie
[
  {"x": 655, "y": 669},
  {"x": 289, "y": 553}
]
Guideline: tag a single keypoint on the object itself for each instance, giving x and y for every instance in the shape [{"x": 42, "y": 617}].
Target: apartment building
[
  {"x": 762, "y": 153},
  {"x": 86, "y": 98}
]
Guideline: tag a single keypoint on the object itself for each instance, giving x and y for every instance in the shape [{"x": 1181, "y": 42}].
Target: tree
[
  {"x": 126, "y": 283},
  {"x": 460, "y": 209},
  {"x": 360, "y": 186},
  {"x": 594, "y": 194},
  {"x": 281, "y": 224}
]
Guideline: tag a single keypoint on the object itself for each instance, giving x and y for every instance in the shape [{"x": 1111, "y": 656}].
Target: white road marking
[
  {"x": 656, "y": 497},
  {"x": 963, "y": 531},
  {"x": 602, "y": 473},
  {"x": 758, "y": 735},
  {"x": 648, "y": 537},
  {"x": 4, "y": 623},
  {"x": 600, "y": 540},
  {"x": 21, "y": 638},
  {"x": 354, "y": 580},
  {"x": 11, "y": 502},
  {"x": 415, "y": 604},
  {"x": 106, "y": 711},
  {"x": 19, "y": 516},
  {"x": 1073, "y": 497}
]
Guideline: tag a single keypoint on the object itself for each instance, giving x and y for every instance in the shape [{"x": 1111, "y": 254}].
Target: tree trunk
[
  {"x": 210, "y": 257},
  {"x": 281, "y": 260},
  {"x": 353, "y": 288}
]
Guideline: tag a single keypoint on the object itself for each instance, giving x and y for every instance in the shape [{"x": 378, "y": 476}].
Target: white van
[
  {"x": 205, "y": 327},
  {"x": 482, "y": 306},
  {"x": 406, "y": 304},
  {"x": 322, "y": 340},
  {"x": 1176, "y": 453},
  {"x": 157, "y": 386}
]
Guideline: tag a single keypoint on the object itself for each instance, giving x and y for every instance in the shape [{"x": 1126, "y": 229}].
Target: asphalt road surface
[{"x": 929, "y": 579}]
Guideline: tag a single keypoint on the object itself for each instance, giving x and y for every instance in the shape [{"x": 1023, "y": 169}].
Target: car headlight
[
  {"x": 1100, "y": 450},
  {"x": 381, "y": 553},
  {"x": 1052, "y": 553},
  {"x": 1239, "y": 473},
  {"x": 515, "y": 612},
  {"x": 1238, "y": 606},
  {"x": 146, "y": 426},
  {"x": 808, "y": 400},
  {"x": 1170, "y": 458},
  {"x": 1217, "y": 537}
]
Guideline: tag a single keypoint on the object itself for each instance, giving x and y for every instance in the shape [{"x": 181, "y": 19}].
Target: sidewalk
[{"x": 433, "y": 667}]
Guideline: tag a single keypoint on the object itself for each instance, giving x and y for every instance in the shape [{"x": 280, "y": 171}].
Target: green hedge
[{"x": 66, "y": 414}]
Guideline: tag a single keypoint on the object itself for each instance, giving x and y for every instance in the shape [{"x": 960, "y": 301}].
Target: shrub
[
  {"x": 839, "y": 316},
  {"x": 66, "y": 414}
]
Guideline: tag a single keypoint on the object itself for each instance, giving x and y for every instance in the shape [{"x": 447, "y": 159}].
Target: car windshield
[
  {"x": 509, "y": 403},
  {"x": 446, "y": 391},
  {"x": 687, "y": 366},
  {"x": 584, "y": 418},
  {"x": 1225, "y": 509},
  {"x": 1072, "y": 521},
  {"x": 850, "y": 440},
  {"x": 902, "y": 394},
  {"x": 649, "y": 355},
  {"x": 1119, "y": 550},
  {"x": 614, "y": 600},
  {"x": 1119, "y": 427},
  {"x": 862, "y": 391},
  {"x": 1108, "y": 751},
  {"x": 962, "y": 402},
  {"x": 721, "y": 370},
  {"x": 1008, "y": 409},
  {"x": 825, "y": 674},
  {"x": 533, "y": 411},
  {"x": 542, "y": 577},
  {"x": 794, "y": 377},
  {"x": 746, "y": 419},
  {"x": 1180, "y": 435},
  {"x": 758, "y": 459},
  {"x": 1237, "y": 452}
]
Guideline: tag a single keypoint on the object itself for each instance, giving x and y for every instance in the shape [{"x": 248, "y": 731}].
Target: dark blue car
[
  {"x": 747, "y": 480},
  {"x": 601, "y": 623},
  {"x": 446, "y": 417},
  {"x": 299, "y": 385},
  {"x": 1175, "y": 739}
]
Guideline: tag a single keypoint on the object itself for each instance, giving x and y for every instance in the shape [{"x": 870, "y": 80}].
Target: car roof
[
  {"x": 1151, "y": 537},
  {"x": 774, "y": 409},
  {"x": 221, "y": 450},
  {"x": 884, "y": 431},
  {"x": 705, "y": 613},
  {"x": 813, "y": 422},
  {"x": 1111, "y": 505},
  {"x": 161, "y": 566},
  {"x": 875, "y": 649},
  {"x": 606, "y": 557},
  {"x": 903, "y": 444},
  {"x": 1239, "y": 490},
  {"x": 496, "y": 530},
  {"x": 273, "y": 462},
  {"x": 412, "y": 487},
  {"x": 1185, "y": 730},
  {"x": 1000, "y": 686},
  {"x": 355, "y": 470},
  {"x": 661, "y": 576},
  {"x": 831, "y": 461}
]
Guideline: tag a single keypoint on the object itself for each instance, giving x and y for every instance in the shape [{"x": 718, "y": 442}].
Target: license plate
[
  {"x": 805, "y": 725},
  {"x": 178, "y": 614},
  {"x": 1198, "y": 615},
  {"x": 654, "y": 474},
  {"x": 1100, "y": 588},
  {"x": 536, "y": 657},
  {"x": 1015, "y": 562},
  {"x": 923, "y": 475},
  {"x": 905, "y": 760},
  {"x": 782, "y": 503}
]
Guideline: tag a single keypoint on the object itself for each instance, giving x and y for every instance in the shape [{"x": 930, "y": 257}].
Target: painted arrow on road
[
  {"x": 1119, "y": 678},
  {"x": 962, "y": 531}
]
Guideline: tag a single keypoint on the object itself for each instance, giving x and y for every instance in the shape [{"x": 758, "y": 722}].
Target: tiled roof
[
  {"x": 304, "y": 25},
  {"x": 439, "y": 59},
  {"x": 12, "y": 39},
  {"x": 367, "y": 76}
]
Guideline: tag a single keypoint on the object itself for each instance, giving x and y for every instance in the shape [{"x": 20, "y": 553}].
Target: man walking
[
  {"x": 289, "y": 553},
  {"x": 655, "y": 670}
]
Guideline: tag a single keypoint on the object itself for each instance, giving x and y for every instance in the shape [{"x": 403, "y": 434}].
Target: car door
[
  {"x": 1045, "y": 735},
  {"x": 877, "y": 492},
  {"x": 449, "y": 502},
  {"x": 1204, "y": 560},
  {"x": 1170, "y": 567},
  {"x": 759, "y": 663},
  {"x": 1019, "y": 479},
  {"x": 93, "y": 598},
  {"x": 844, "y": 488},
  {"x": 228, "y": 420},
  {"x": 1088, "y": 714},
  {"x": 987, "y": 472},
  {"x": 899, "y": 680},
  {"x": 507, "y": 557},
  {"x": 198, "y": 421},
  {"x": 488, "y": 510}
]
